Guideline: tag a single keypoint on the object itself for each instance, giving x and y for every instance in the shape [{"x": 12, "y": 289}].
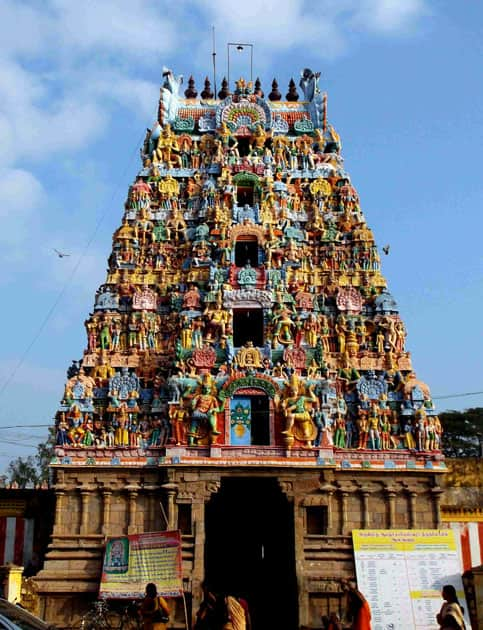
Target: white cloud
[
  {"x": 21, "y": 194},
  {"x": 389, "y": 16},
  {"x": 23, "y": 29},
  {"x": 136, "y": 94},
  {"x": 130, "y": 27},
  {"x": 36, "y": 122},
  {"x": 271, "y": 24},
  {"x": 323, "y": 27}
]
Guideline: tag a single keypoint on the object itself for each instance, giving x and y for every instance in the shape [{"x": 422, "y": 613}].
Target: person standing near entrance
[
  {"x": 358, "y": 609},
  {"x": 154, "y": 609},
  {"x": 211, "y": 613},
  {"x": 248, "y": 620},
  {"x": 451, "y": 614},
  {"x": 235, "y": 612}
]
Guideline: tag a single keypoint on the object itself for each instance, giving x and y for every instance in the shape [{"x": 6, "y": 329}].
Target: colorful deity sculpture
[{"x": 243, "y": 275}]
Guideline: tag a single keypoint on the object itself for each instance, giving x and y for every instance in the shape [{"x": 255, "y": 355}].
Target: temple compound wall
[{"x": 93, "y": 504}]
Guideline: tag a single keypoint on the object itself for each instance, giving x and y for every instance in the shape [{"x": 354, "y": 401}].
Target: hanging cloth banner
[{"x": 130, "y": 562}]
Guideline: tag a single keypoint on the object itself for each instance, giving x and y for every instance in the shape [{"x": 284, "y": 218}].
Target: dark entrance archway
[
  {"x": 247, "y": 326},
  {"x": 246, "y": 252},
  {"x": 250, "y": 549}
]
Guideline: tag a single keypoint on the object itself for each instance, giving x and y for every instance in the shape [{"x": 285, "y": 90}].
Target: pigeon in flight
[
  {"x": 386, "y": 249},
  {"x": 60, "y": 254}
]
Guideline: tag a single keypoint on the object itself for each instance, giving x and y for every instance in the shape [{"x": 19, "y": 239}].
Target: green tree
[
  {"x": 462, "y": 432},
  {"x": 23, "y": 471},
  {"x": 45, "y": 452},
  {"x": 34, "y": 469}
]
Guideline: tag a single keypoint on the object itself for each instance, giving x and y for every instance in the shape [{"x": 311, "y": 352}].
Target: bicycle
[
  {"x": 130, "y": 617},
  {"x": 101, "y": 617}
]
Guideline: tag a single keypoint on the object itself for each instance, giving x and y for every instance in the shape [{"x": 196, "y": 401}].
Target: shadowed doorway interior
[{"x": 250, "y": 549}]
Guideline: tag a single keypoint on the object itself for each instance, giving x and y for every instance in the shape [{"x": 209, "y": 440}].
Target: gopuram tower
[{"x": 245, "y": 365}]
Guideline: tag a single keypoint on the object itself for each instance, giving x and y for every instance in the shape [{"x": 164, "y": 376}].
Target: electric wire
[
  {"x": 42, "y": 426},
  {"x": 26, "y": 426},
  {"x": 16, "y": 443},
  {"x": 456, "y": 395}
]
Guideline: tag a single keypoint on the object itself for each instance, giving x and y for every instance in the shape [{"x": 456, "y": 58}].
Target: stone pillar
[
  {"x": 84, "y": 526},
  {"x": 365, "y": 508},
  {"x": 198, "y": 516},
  {"x": 412, "y": 494},
  {"x": 343, "y": 510},
  {"x": 151, "y": 511},
  {"x": 390, "y": 493},
  {"x": 201, "y": 490},
  {"x": 150, "y": 507},
  {"x": 131, "y": 526},
  {"x": 437, "y": 492},
  {"x": 171, "y": 490},
  {"x": 59, "y": 506},
  {"x": 106, "y": 511},
  {"x": 329, "y": 489}
]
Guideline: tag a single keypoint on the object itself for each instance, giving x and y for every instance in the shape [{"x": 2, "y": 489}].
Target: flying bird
[
  {"x": 60, "y": 254},
  {"x": 386, "y": 249}
]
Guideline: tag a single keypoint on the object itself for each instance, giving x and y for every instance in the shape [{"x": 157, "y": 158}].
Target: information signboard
[
  {"x": 401, "y": 574},
  {"x": 130, "y": 562}
]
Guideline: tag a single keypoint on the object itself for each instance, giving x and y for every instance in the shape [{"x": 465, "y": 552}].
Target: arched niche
[
  {"x": 247, "y": 250},
  {"x": 247, "y": 189},
  {"x": 249, "y": 411}
]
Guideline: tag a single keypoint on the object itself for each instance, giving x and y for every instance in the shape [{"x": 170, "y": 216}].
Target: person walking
[
  {"x": 358, "y": 609},
  {"x": 236, "y": 618},
  {"x": 211, "y": 613},
  {"x": 450, "y": 617},
  {"x": 154, "y": 609}
]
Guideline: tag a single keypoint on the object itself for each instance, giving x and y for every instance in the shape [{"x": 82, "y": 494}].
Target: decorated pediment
[
  {"x": 246, "y": 229},
  {"x": 244, "y": 298},
  {"x": 244, "y": 114}
]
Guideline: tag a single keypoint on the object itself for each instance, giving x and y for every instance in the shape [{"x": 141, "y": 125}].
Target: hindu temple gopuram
[{"x": 245, "y": 366}]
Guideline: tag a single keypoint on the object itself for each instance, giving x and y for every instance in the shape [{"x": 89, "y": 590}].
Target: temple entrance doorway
[
  {"x": 250, "y": 420},
  {"x": 249, "y": 549}
]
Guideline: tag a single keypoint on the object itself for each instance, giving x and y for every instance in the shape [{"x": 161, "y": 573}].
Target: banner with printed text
[
  {"x": 130, "y": 562},
  {"x": 401, "y": 574}
]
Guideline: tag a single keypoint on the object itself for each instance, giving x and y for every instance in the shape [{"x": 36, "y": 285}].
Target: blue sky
[{"x": 79, "y": 84}]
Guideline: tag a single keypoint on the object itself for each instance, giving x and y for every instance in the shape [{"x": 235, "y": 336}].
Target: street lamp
[{"x": 240, "y": 47}]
